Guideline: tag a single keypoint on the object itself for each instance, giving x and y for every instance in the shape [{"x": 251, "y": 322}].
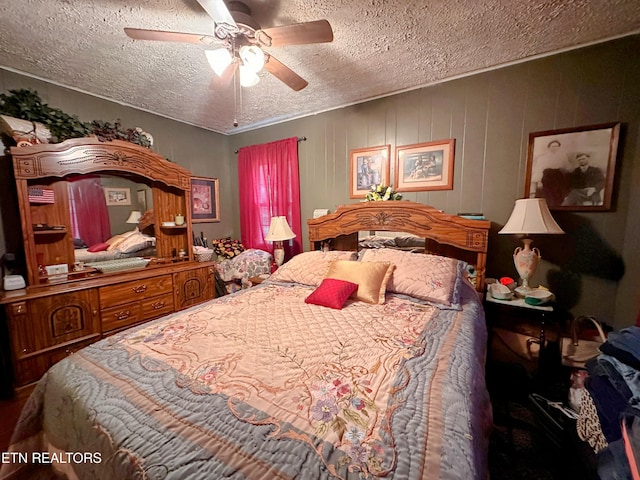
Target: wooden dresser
[
  {"x": 48, "y": 323},
  {"x": 54, "y": 316}
]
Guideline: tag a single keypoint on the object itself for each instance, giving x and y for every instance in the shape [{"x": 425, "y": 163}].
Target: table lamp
[
  {"x": 279, "y": 231},
  {"x": 529, "y": 216},
  {"x": 134, "y": 216}
]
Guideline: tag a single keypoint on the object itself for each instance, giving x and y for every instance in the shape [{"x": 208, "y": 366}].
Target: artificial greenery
[{"x": 26, "y": 104}]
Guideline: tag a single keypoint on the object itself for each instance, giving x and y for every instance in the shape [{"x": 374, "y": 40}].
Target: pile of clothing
[{"x": 609, "y": 418}]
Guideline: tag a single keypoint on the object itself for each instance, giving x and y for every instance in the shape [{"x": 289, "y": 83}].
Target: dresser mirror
[{"x": 79, "y": 198}]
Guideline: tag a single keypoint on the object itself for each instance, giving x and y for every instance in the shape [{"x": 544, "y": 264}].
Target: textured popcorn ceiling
[{"x": 380, "y": 47}]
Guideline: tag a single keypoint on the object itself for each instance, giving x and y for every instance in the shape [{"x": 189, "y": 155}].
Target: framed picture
[
  {"x": 117, "y": 196},
  {"x": 369, "y": 166},
  {"x": 205, "y": 202},
  {"x": 573, "y": 168},
  {"x": 142, "y": 200},
  {"x": 425, "y": 166}
]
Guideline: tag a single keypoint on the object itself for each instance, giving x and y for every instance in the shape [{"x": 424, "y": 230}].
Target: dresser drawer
[
  {"x": 157, "y": 306},
  {"x": 135, "y": 290},
  {"x": 121, "y": 316},
  {"x": 30, "y": 369}
]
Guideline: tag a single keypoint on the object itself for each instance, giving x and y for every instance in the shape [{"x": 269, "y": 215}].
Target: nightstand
[{"x": 524, "y": 329}]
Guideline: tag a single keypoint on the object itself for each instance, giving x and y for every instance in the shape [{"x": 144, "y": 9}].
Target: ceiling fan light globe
[
  {"x": 248, "y": 78},
  {"x": 219, "y": 59},
  {"x": 252, "y": 57}
]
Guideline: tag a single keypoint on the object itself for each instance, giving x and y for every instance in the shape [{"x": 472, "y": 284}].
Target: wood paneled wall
[{"x": 490, "y": 115}]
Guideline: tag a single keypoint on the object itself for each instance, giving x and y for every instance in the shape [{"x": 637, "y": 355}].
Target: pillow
[
  {"x": 310, "y": 268},
  {"x": 115, "y": 241},
  {"x": 332, "y": 293},
  {"x": 371, "y": 277},
  {"x": 424, "y": 276},
  {"x": 227, "y": 248},
  {"x": 98, "y": 247},
  {"x": 135, "y": 242},
  {"x": 79, "y": 243}
]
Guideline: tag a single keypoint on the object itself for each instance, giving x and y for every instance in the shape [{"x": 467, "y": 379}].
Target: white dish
[
  {"x": 501, "y": 292},
  {"x": 538, "y": 297},
  {"x": 168, "y": 224}
]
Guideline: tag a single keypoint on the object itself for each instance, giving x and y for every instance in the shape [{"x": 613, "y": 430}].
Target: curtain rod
[{"x": 300, "y": 139}]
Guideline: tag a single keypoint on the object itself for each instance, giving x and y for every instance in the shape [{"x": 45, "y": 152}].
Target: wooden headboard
[{"x": 444, "y": 234}]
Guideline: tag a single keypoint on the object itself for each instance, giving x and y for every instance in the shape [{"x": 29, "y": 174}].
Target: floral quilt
[{"x": 261, "y": 385}]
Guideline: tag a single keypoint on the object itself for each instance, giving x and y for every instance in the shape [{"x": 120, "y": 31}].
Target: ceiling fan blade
[
  {"x": 318, "y": 31},
  {"x": 284, "y": 73},
  {"x": 159, "y": 35},
  {"x": 219, "y": 12}
]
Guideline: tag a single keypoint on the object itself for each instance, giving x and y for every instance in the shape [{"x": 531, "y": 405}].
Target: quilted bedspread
[{"x": 261, "y": 385}]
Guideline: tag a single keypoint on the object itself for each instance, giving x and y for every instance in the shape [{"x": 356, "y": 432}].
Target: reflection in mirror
[{"x": 100, "y": 208}]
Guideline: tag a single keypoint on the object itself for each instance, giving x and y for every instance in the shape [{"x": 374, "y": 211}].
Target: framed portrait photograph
[
  {"x": 117, "y": 196},
  {"x": 573, "y": 168},
  {"x": 205, "y": 202},
  {"x": 368, "y": 166},
  {"x": 425, "y": 166}
]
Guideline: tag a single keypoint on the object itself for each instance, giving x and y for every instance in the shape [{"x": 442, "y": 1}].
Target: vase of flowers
[{"x": 382, "y": 193}]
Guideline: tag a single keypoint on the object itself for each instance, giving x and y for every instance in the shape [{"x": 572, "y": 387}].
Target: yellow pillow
[{"x": 371, "y": 277}]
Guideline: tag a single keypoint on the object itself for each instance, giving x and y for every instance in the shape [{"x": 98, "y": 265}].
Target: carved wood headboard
[{"x": 445, "y": 234}]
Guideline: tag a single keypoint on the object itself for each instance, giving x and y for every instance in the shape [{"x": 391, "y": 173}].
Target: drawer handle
[
  {"x": 122, "y": 315},
  {"x": 140, "y": 289},
  {"x": 157, "y": 305}
]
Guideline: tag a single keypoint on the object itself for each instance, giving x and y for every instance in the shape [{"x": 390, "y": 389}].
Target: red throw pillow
[
  {"x": 332, "y": 293},
  {"x": 98, "y": 247}
]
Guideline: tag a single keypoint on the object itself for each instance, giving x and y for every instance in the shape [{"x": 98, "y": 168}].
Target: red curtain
[
  {"x": 88, "y": 209},
  {"x": 269, "y": 186}
]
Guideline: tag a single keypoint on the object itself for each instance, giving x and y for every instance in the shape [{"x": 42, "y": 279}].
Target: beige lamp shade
[
  {"x": 134, "y": 217},
  {"x": 279, "y": 230},
  {"x": 531, "y": 216}
]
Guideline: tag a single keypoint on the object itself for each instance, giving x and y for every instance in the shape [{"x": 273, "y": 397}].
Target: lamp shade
[
  {"x": 531, "y": 216},
  {"x": 134, "y": 217},
  {"x": 279, "y": 230},
  {"x": 219, "y": 59}
]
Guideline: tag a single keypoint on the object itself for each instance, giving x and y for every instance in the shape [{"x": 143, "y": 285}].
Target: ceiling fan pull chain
[{"x": 236, "y": 93}]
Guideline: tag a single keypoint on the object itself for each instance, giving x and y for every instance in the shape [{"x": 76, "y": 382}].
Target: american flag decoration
[{"x": 41, "y": 195}]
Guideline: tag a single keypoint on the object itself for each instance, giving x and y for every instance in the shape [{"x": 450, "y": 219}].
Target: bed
[
  {"x": 285, "y": 379},
  {"x": 125, "y": 245}
]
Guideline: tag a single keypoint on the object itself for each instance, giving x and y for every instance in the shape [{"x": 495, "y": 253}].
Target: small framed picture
[
  {"x": 573, "y": 168},
  {"x": 205, "y": 202},
  {"x": 142, "y": 200},
  {"x": 425, "y": 166},
  {"x": 117, "y": 196},
  {"x": 368, "y": 166}
]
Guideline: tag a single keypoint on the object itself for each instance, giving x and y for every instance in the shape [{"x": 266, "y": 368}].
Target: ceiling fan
[{"x": 239, "y": 40}]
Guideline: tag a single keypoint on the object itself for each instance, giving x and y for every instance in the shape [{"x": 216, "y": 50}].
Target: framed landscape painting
[
  {"x": 573, "y": 168},
  {"x": 205, "y": 202},
  {"x": 425, "y": 166}
]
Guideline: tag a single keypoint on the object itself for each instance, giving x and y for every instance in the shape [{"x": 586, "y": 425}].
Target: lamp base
[
  {"x": 526, "y": 261},
  {"x": 523, "y": 290},
  {"x": 278, "y": 254}
]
